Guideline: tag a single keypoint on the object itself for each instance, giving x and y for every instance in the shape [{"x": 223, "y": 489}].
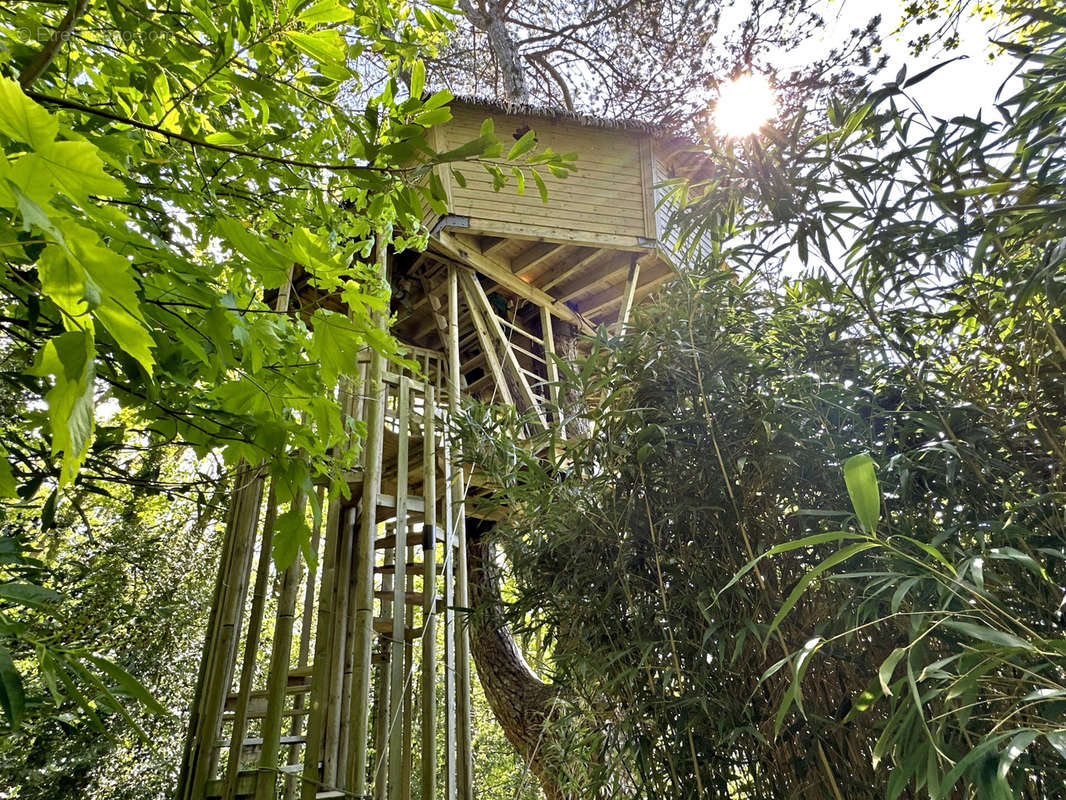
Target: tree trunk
[
  {"x": 489, "y": 17},
  {"x": 519, "y": 699}
]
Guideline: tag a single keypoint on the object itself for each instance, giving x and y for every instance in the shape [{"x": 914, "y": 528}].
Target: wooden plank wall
[{"x": 605, "y": 195}]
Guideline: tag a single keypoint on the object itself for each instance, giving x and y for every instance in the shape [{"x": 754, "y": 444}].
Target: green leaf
[
  {"x": 22, "y": 119},
  {"x": 418, "y": 78},
  {"x": 325, "y": 12},
  {"x": 434, "y": 116},
  {"x": 291, "y": 534},
  {"x": 862, "y": 488},
  {"x": 12, "y": 695},
  {"x": 540, "y": 185},
  {"x": 984, "y": 634},
  {"x": 78, "y": 171},
  {"x": 129, "y": 685},
  {"x": 841, "y": 555},
  {"x": 29, "y": 594},
  {"x": 884, "y": 672},
  {"x": 526, "y": 143},
  {"x": 114, "y": 290},
  {"x": 326, "y": 46},
  {"x": 229, "y": 138},
  {"x": 68, "y": 358},
  {"x": 8, "y": 485}
]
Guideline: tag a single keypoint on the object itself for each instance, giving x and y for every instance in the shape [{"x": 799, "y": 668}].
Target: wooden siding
[{"x": 606, "y": 195}]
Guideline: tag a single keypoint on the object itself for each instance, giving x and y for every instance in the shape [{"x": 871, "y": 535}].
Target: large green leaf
[
  {"x": 22, "y": 119},
  {"x": 12, "y": 695},
  {"x": 861, "y": 480}
]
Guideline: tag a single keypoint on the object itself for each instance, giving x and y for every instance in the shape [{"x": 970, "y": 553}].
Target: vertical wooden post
[
  {"x": 320, "y": 677},
  {"x": 465, "y": 783},
  {"x": 429, "y": 596},
  {"x": 359, "y": 710},
  {"x": 397, "y": 687},
  {"x": 381, "y": 719},
  {"x": 220, "y": 646},
  {"x": 251, "y": 648},
  {"x": 449, "y": 628},
  {"x": 278, "y": 673},
  {"x": 337, "y": 652},
  {"x": 549, "y": 358},
  {"x": 627, "y": 296},
  {"x": 304, "y": 652}
]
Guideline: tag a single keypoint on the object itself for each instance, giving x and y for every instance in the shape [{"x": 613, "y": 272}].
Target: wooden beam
[
  {"x": 549, "y": 357},
  {"x": 526, "y": 261},
  {"x": 487, "y": 345},
  {"x": 585, "y": 281},
  {"x": 490, "y": 244},
  {"x": 608, "y": 298},
  {"x": 627, "y": 295},
  {"x": 513, "y": 230},
  {"x": 479, "y": 301},
  {"x": 573, "y": 269},
  {"x": 460, "y": 249}
]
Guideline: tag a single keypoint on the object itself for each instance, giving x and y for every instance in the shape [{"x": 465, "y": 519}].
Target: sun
[{"x": 744, "y": 105}]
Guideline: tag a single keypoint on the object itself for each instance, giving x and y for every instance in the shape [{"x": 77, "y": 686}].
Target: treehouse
[{"x": 340, "y": 681}]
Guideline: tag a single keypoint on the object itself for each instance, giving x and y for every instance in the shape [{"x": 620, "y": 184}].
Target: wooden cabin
[
  {"x": 353, "y": 644},
  {"x": 583, "y": 258}
]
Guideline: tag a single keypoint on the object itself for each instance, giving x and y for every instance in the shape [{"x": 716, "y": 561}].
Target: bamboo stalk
[
  {"x": 450, "y": 638},
  {"x": 220, "y": 646},
  {"x": 397, "y": 687},
  {"x": 381, "y": 724},
  {"x": 251, "y": 647},
  {"x": 304, "y": 652},
  {"x": 338, "y": 653},
  {"x": 364, "y": 590},
  {"x": 429, "y": 599},
  {"x": 464, "y": 782},
  {"x": 408, "y": 693},
  {"x": 320, "y": 673},
  {"x": 278, "y": 672}
]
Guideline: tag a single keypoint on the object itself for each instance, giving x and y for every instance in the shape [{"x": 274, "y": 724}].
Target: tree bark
[
  {"x": 520, "y": 701},
  {"x": 489, "y": 17}
]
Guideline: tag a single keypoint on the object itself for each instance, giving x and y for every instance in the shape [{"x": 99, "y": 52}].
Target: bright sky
[{"x": 959, "y": 88}]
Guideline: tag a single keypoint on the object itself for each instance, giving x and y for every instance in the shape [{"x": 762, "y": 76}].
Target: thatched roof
[{"x": 495, "y": 106}]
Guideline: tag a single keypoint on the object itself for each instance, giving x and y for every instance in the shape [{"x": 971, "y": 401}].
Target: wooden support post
[
  {"x": 381, "y": 712},
  {"x": 479, "y": 301},
  {"x": 397, "y": 687},
  {"x": 216, "y": 666},
  {"x": 320, "y": 678},
  {"x": 338, "y": 654},
  {"x": 278, "y": 672},
  {"x": 307, "y": 617},
  {"x": 409, "y": 687},
  {"x": 464, "y": 781},
  {"x": 449, "y": 628},
  {"x": 627, "y": 295},
  {"x": 549, "y": 359},
  {"x": 359, "y": 710},
  {"x": 488, "y": 348},
  {"x": 251, "y": 649},
  {"x": 429, "y": 597}
]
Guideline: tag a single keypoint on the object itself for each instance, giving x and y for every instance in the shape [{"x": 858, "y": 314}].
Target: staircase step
[
  {"x": 413, "y": 540},
  {"x": 384, "y": 625},
  {"x": 413, "y": 568},
  {"x": 411, "y": 598}
]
